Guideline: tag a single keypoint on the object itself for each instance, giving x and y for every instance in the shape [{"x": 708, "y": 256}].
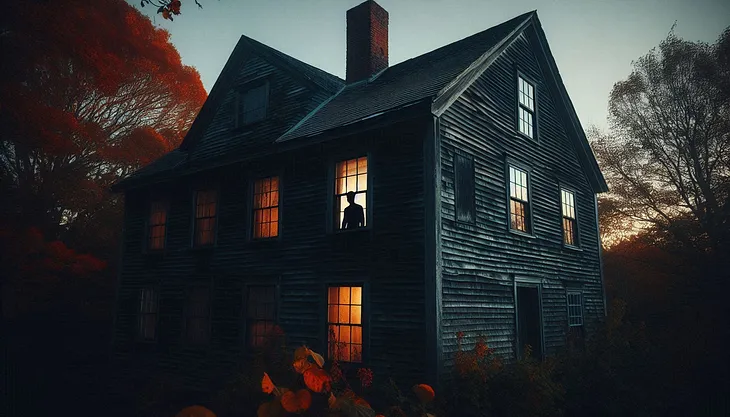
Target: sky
[{"x": 593, "y": 41}]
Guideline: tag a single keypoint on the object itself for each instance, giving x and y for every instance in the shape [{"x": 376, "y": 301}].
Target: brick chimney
[{"x": 367, "y": 41}]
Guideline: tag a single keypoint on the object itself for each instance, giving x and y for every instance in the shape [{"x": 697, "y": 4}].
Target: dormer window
[
  {"x": 526, "y": 107},
  {"x": 252, "y": 104}
]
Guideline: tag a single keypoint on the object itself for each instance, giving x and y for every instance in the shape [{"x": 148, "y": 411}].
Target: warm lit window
[
  {"x": 266, "y": 208},
  {"x": 261, "y": 314},
  {"x": 205, "y": 217},
  {"x": 197, "y": 318},
  {"x": 344, "y": 321},
  {"x": 519, "y": 204},
  {"x": 147, "y": 314},
  {"x": 526, "y": 107},
  {"x": 351, "y": 182},
  {"x": 252, "y": 104},
  {"x": 570, "y": 231},
  {"x": 575, "y": 309},
  {"x": 464, "y": 188},
  {"x": 157, "y": 225}
]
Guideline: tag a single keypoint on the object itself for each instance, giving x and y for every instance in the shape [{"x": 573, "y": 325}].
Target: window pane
[
  {"x": 464, "y": 188},
  {"x": 345, "y": 322}
]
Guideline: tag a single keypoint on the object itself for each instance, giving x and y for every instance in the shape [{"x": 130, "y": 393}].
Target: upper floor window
[
  {"x": 351, "y": 190},
  {"x": 266, "y": 208},
  {"x": 570, "y": 231},
  {"x": 252, "y": 104},
  {"x": 260, "y": 314},
  {"x": 206, "y": 207},
  {"x": 464, "y": 188},
  {"x": 157, "y": 225},
  {"x": 526, "y": 107},
  {"x": 344, "y": 323},
  {"x": 519, "y": 204},
  {"x": 147, "y": 314},
  {"x": 197, "y": 316}
]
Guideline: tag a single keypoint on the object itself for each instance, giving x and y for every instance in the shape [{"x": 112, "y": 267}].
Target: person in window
[{"x": 354, "y": 216}]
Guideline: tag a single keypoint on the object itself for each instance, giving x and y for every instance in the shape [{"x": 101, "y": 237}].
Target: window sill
[
  {"x": 534, "y": 139},
  {"x": 352, "y": 231},
  {"x": 264, "y": 241},
  {"x": 522, "y": 234},
  {"x": 573, "y": 248}
]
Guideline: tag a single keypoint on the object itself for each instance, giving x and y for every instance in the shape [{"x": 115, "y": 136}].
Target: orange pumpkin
[
  {"x": 195, "y": 411},
  {"x": 424, "y": 392},
  {"x": 270, "y": 409},
  {"x": 316, "y": 379},
  {"x": 296, "y": 403}
]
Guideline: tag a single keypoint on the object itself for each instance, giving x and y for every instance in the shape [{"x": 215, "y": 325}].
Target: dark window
[
  {"x": 266, "y": 208},
  {"x": 261, "y": 314},
  {"x": 570, "y": 231},
  {"x": 519, "y": 205},
  {"x": 157, "y": 225},
  {"x": 197, "y": 319},
  {"x": 464, "y": 188},
  {"x": 526, "y": 107},
  {"x": 575, "y": 309},
  {"x": 252, "y": 104},
  {"x": 344, "y": 323},
  {"x": 147, "y": 314},
  {"x": 206, "y": 205},
  {"x": 351, "y": 176}
]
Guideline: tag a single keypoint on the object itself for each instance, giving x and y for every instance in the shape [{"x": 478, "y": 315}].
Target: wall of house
[
  {"x": 480, "y": 261},
  {"x": 387, "y": 258}
]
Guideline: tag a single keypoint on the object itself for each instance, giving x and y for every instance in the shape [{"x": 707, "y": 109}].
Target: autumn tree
[{"x": 666, "y": 156}]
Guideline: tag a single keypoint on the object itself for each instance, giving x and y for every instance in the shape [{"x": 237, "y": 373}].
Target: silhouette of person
[{"x": 354, "y": 215}]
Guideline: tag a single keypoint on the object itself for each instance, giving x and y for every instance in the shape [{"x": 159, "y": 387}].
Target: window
[
  {"x": 526, "y": 107},
  {"x": 157, "y": 225},
  {"x": 197, "y": 318},
  {"x": 344, "y": 322},
  {"x": 519, "y": 204},
  {"x": 260, "y": 314},
  {"x": 575, "y": 309},
  {"x": 464, "y": 188},
  {"x": 252, "y": 104},
  {"x": 205, "y": 214},
  {"x": 147, "y": 314},
  {"x": 570, "y": 231},
  {"x": 351, "y": 181},
  {"x": 266, "y": 208}
]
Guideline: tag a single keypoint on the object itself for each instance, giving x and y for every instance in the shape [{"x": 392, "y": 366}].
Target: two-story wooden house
[{"x": 477, "y": 186}]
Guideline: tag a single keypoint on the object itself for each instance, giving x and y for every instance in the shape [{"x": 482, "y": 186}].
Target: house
[{"x": 477, "y": 187}]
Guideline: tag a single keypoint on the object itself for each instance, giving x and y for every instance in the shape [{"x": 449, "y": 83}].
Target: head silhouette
[{"x": 351, "y": 197}]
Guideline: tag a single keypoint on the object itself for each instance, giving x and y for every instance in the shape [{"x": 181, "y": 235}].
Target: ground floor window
[{"x": 344, "y": 323}]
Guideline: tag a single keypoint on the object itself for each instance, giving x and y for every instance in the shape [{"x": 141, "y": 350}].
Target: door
[{"x": 529, "y": 321}]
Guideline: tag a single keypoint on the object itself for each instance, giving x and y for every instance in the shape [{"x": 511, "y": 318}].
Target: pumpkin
[
  {"x": 296, "y": 402},
  {"x": 195, "y": 411},
  {"x": 318, "y": 380},
  {"x": 424, "y": 392},
  {"x": 270, "y": 409}
]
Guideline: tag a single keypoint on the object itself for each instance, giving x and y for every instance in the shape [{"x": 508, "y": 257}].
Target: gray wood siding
[
  {"x": 481, "y": 260},
  {"x": 388, "y": 258}
]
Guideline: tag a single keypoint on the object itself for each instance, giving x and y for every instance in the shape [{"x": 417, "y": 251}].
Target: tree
[
  {"x": 168, "y": 8},
  {"x": 667, "y": 155}
]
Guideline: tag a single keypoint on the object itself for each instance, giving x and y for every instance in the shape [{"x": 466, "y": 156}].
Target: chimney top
[{"x": 367, "y": 41}]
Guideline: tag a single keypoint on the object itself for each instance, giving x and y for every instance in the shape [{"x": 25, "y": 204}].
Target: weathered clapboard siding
[
  {"x": 481, "y": 260},
  {"x": 388, "y": 258}
]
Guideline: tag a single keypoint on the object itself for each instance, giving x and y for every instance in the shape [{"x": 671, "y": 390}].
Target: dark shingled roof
[{"x": 409, "y": 81}]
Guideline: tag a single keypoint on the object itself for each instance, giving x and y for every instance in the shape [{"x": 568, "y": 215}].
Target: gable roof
[{"x": 439, "y": 76}]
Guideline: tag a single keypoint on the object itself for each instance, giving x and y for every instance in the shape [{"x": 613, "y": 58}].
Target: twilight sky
[{"x": 593, "y": 41}]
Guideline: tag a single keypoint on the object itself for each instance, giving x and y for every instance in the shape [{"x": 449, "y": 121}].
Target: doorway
[{"x": 529, "y": 320}]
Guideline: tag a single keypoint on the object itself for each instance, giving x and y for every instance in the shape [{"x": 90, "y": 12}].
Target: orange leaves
[
  {"x": 424, "y": 393},
  {"x": 317, "y": 379},
  {"x": 296, "y": 403},
  {"x": 267, "y": 385}
]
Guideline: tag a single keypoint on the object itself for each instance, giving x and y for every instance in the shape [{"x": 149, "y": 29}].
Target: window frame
[
  {"x": 365, "y": 316},
  {"x": 474, "y": 189},
  {"x": 186, "y": 315},
  {"x": 568, "y": 293},
  {"x": 577, "y": 240},
  {"x": 139, "y": 313},
  {"x": 331, "y": 184},
  {"x": 521, "y": 75},
  {"x": 244, "y": 316},
  {"x": 528, "y": 282},
  {"x": 148, "y": 225},
  {"x": 252, "y": 210},
  {"x": 509, "y": 162},
  {"x": 241, "y": 91},
  {"x": 194, "y": 205}
]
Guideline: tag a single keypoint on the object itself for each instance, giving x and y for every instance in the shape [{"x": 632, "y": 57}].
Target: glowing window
[
  {"x": 570, "y": 232},
  {"x": 205, "y": 217},
  {"x": 526, "y": 107},
  {"x": 266, "y": 208},
  {"x": 518, "y": 200},
  {"x": 147, "y": 314},
  {"x": 351, "y": 176},
  {"x": 157, "y": 225},
  {"x": 260, "y": 314},
  {"x": 344, "y": 322}
]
